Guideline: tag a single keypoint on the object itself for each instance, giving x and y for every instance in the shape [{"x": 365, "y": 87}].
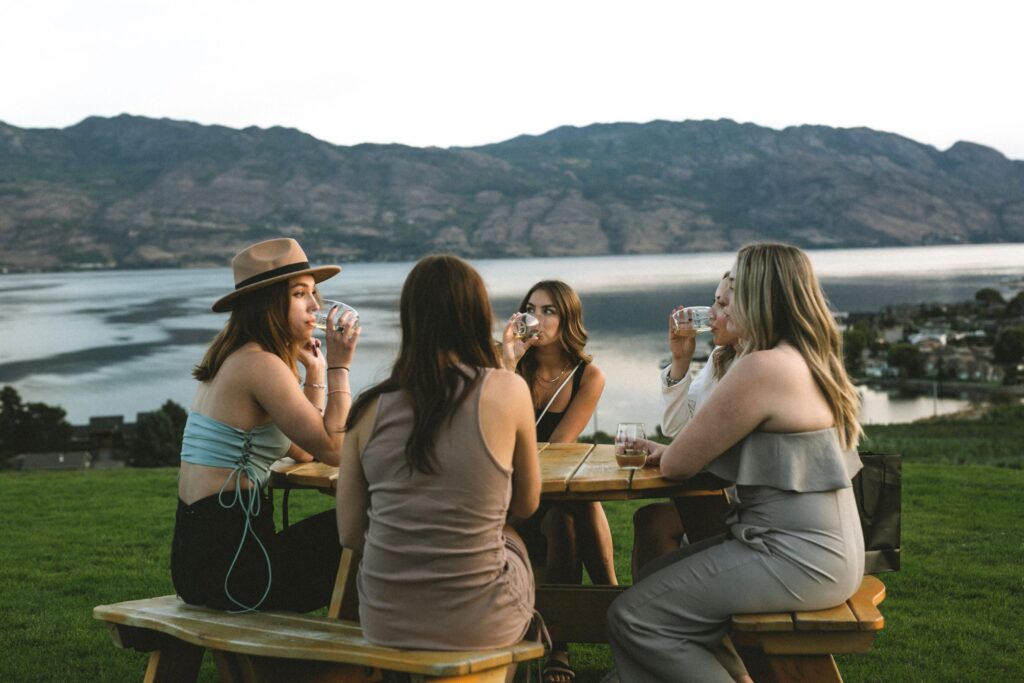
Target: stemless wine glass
[
  {"x": 696, "y": 318},
  {"x": 630, "y": 449},
  {"x": 325, "y": 308},
  {"x": 525, "y": 327}
]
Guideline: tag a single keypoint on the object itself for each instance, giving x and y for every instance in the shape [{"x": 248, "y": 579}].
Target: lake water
[{"x": 120, "y": 342}]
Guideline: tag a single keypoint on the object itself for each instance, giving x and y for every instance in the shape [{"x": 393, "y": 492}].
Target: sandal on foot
[{"x": 557, "y": 670}]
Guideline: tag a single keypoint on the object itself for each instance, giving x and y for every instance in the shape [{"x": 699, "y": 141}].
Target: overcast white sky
[{"x": 468, "y": 73}]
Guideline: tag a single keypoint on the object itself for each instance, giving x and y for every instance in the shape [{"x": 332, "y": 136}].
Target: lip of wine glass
[
  {"x": 696, "y": 318},
  {"x": 325, "y": 308},
  {"x": 630, "y": 447}
]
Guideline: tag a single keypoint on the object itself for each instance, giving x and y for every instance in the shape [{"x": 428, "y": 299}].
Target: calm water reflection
[{"x": 122, "y": 342}]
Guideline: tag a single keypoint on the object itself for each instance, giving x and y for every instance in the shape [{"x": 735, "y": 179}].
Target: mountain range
[{"x": 134, "y": 192}]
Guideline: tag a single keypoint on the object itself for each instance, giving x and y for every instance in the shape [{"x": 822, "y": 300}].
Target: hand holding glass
[
  {"x": 325, "y": 308},
  {"x": 630, "y": 445},
  {"x": 696, "y": 318}
]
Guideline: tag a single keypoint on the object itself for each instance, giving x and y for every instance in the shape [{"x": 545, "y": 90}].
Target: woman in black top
[{"x": 565, "y": 386}]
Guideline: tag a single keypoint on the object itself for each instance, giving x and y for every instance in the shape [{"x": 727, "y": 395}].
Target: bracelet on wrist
[
  {"x": 337, "y": 367},
  {"x": 339, "y": 391},
  {"x": 315, "y": 385}
]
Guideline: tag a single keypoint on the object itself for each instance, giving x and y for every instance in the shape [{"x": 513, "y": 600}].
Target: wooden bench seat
[
  {"x": 284, "y": 646},
  {"x": 796, "y": 646}
]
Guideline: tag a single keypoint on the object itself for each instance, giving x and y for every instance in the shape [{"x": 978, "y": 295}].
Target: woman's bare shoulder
[
  {"x": 592, "y": 373},
  {"x": 501, "y": 380},
  {"x": 781, "y": 360},
  {"x": 251, "y": 357}
]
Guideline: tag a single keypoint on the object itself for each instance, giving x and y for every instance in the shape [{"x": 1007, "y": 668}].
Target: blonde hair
[
  {"x": 776, "y": 298},
  {"x": 723, "y": 356}
]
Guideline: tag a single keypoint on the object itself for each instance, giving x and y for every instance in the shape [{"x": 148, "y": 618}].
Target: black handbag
[{"x": 878, "y": 488}]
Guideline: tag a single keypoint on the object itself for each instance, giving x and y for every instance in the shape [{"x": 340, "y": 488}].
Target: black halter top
[{"x": 547, "y": 425}]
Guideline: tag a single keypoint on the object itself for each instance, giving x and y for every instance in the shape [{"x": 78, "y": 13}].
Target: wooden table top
[{"x": 569, "y": 471}]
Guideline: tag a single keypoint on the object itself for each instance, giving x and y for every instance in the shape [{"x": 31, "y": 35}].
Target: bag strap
[{"x": 560, "y": 387}]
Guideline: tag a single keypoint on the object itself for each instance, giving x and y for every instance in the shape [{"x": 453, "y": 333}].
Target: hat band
[{"x": 283, "y": 270}]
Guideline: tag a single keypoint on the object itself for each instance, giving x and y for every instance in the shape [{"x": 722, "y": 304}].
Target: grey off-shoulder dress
[{"x": 794, "y": 543}]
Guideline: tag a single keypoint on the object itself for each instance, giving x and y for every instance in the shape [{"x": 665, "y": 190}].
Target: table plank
[
  {"x": 600, "y": 472},
  {"x": 703, "y": 484},
  {"x": 286, "y": 473},
  {"x": 559, "y": 462}
]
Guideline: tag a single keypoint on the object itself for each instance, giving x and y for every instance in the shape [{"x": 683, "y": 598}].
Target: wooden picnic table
[{"x": 569, "y": 471}]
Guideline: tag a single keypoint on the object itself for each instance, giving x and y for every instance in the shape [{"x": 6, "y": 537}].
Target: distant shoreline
[{"x": 942, "y": 387}]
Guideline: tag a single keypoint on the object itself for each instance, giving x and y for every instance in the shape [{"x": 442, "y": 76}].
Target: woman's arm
[
  {"x": 273, "y": 386},
  {"x": 353, "y": 491},
  {"x": 770, "y": 389},
  {"x": 583, "y": 405},
  {"x": 298, "y": 455},
  {"x": 506, "y": 419}
]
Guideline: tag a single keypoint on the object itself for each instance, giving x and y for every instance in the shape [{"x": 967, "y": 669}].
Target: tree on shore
[
  {"x": 28, "y": 427},
  {"x": 988, "y": 295},
  {"x": 907, "y": 358},
  {"x": 1009, "y": 346},
  {"x": 158, "y": 437}
]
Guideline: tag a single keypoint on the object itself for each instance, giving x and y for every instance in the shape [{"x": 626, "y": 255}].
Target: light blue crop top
[
  {"x": 246, "y": 453},
  {"x": 212, "y": 443}
]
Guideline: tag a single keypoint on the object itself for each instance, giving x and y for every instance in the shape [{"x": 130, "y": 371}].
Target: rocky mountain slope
[{"x": 137, "y": 192}]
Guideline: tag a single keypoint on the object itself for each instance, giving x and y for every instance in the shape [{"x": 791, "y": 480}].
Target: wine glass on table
[{"x": 630, "y": 445}]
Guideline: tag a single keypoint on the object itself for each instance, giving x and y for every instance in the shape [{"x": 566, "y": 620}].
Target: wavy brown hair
[
  {"x": 572, "y": 335},
  {"x": 446, "y": 342},
  {"x": 777, "y": 297},
  {"x": 260, "y": 316}
]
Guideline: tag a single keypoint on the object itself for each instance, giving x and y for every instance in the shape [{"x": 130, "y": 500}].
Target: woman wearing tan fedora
[{"x": 249, "y": 411}]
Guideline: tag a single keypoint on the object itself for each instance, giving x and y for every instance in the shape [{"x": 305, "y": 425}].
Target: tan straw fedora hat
[{"x": 268, "y": 262}]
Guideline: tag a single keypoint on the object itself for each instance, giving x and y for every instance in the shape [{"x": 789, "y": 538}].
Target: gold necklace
[{"x": 560, "y": 375}]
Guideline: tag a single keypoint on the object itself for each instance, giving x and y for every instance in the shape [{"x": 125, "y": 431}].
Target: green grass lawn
[{"x": 72, "y": 540}]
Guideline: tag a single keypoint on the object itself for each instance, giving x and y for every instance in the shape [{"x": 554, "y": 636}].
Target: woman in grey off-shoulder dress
[{"x": 783, "y": 425}]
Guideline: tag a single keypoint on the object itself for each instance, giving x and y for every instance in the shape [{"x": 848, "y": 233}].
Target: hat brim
[{"x": 319, "y": 274}]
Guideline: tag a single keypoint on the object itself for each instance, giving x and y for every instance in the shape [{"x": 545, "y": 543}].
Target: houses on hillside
[{"x": 955, "y": 342}]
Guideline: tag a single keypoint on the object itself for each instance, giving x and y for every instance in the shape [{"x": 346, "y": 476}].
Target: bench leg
[
  {"x": 254, "y": 669},
  {"x": 496, "y": 675},
  {"x": 177, "y": 663},
  {"x": 801, "y": 669}
]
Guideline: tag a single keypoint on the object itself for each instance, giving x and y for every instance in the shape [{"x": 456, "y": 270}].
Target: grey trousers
[{"x": 672, "y": 624}]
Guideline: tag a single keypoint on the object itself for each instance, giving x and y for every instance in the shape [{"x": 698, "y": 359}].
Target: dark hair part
[
  {"x": 260, "y": 316},
  {"x": 446, "y": 324},
  {"x": 572, "y": 335}
]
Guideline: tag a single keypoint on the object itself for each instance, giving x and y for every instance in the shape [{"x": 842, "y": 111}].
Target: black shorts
[{"x": 299, "y": 565}]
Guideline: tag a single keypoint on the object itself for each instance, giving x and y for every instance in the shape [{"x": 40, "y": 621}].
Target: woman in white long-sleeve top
[
  {"x": 658, "y": 528},
  {"x": 683, "y": 391},
  {"x": 783, "y": 425}
]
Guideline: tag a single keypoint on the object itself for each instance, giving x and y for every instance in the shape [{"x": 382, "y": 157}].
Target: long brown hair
[
  {"x": 777, "y": 297},
  {"x": 446, "y": 325},
  {"x": 260, "y": 316},
  {"x": 572, "y": 335}
]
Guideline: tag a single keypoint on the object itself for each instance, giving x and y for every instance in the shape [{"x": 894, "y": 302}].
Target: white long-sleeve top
[{"x": 680, "y": 401}]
